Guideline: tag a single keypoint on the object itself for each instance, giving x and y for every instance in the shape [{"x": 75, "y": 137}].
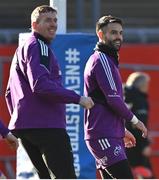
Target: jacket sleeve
[
  {"x": 8, "y": 99},
  {"x": 106, "y": 81},
  {"x": 3, "y": 130},
  {"x": 42, "y": 84}
]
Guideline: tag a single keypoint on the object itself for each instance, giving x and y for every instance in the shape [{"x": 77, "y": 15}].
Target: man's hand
[
  {"x": 129, "y": 139},
  {"x": 12, "y": 140},
  {"x": 140, "y": 125},
  {"x": 86, "y": 102}
]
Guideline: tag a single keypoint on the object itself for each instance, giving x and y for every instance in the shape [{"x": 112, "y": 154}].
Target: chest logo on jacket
[{"x": 117, "y": 150}]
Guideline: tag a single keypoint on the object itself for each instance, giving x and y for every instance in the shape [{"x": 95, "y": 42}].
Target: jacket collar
[
  {"x": 39, "y": 36},
  {"x": 108, "y": 51}
]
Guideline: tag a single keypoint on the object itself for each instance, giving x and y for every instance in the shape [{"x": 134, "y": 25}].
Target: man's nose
[
  {"x": 119, "y": 36},
  {"x": 53, "y": 23}
]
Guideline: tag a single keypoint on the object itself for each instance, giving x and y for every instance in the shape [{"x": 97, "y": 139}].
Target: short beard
[{"x": 111, "y": 45}]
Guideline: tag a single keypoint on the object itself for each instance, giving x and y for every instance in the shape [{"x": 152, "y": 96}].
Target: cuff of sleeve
[
  {"x": 77, "y": 99},
  {"x": 3, "y": 130},
  {"x": 5, "y": 133},
  {"x": 134, "y": 120}
]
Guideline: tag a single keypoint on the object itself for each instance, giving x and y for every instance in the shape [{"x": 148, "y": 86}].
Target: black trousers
[
  {"x": 50, "y": 152},
  {"x": 120, "y": 170}
]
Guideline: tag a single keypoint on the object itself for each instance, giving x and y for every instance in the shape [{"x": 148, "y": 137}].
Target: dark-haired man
[
  {"x": 36, "y": 100},
  {"x": 105, "y": 122}
]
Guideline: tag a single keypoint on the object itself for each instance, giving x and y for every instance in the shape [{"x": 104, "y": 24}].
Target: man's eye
[
  {"x": 55, "y": 20},
  {"x": 113, "y": 32},
  {"x": 48, "y": 20}
]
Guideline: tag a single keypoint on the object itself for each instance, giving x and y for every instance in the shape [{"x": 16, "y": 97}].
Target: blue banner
[{"x": 72, "y": 51}]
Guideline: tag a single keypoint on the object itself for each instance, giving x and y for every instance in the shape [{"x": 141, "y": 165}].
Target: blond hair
[
  {"x": 39, "y": 10},
  {"x": 136, "y": 79}
]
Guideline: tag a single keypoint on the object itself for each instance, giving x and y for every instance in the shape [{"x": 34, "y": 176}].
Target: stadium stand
[{"x": 140, "y": 17}]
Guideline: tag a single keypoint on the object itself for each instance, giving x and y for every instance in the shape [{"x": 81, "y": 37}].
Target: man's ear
[
  {"x": 100, "y": 35},
  {"x": 34, "y": 25}
]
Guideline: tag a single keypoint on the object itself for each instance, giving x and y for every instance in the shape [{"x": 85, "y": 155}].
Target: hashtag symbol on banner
[{"x": 72, "y": 56}]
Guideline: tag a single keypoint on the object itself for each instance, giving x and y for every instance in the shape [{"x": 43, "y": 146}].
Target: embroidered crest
[{"x": 117, "y": 150}]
